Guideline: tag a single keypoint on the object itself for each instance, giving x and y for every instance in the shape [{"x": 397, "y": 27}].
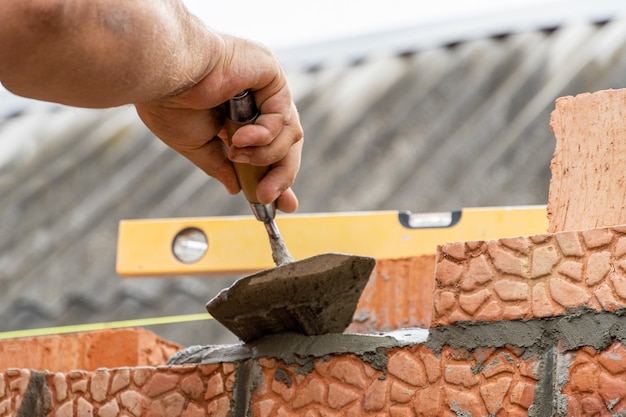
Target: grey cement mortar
[
  {"x": 547, "y": 339},
  {"x": 293, "y": 348},
  {"x": 37, "y": 399},
  {"x": 582, "y": 327},
  {"x": 248, "y": 378}
]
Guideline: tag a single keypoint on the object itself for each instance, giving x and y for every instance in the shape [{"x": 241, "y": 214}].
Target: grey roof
[{"x": 429, "y": 129}]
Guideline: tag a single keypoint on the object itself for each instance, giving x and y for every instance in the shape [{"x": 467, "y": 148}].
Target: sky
[{"x": 287, "y": 23}]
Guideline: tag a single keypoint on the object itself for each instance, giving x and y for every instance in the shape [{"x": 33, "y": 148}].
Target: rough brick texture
[
  {"x": 182, "y": 391},
  {"x": 596, "y": 383},
  {"x": 124, "y": 347},
  {"x": 589, "y": 163},
  {"x": 417, "y": 382},
  {"x": 522, "y": 326},
  {"x": 530, "y": 277}
]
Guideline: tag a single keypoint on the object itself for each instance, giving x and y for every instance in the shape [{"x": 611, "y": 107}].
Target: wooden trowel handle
[{"x": 240, "y": 111}]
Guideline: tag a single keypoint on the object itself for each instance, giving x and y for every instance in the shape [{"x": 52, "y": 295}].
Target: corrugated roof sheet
[{"x": 433, "y": 129}]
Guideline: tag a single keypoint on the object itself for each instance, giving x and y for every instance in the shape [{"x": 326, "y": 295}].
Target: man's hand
[
  {"x": 192, "y": 122},
  {"x": 105, "y": 53}
]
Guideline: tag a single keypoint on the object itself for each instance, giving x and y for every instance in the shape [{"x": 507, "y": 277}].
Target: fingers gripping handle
[{"x": 240, "y": 111}]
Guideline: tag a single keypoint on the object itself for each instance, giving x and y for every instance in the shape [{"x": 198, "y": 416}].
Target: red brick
[
  {"x": 587, "y": 167},
  {"x": 63, "y": 353},
  {"x": 397, "y": 295}
]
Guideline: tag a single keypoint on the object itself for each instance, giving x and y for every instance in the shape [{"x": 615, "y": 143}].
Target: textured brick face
[
  {"x": 186, "y": 391},
  {"x": 417, "y": 382},
  {"x": 531, "y": 277},
  {"x": 489, "y": 285},
  {"x": 596, "y": 383}
]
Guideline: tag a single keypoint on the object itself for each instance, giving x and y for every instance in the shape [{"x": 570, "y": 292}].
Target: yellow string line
[{"x": 101, "y": 326}]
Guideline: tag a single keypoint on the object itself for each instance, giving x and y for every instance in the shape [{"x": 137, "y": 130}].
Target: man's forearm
[{"x": 102, "y": 53}]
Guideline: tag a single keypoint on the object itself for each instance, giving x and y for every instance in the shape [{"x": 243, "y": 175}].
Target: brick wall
[{"x": 523, "y": 326}]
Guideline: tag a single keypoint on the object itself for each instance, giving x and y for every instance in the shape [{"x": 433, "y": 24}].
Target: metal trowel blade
[{"x": 314, "y": 296}]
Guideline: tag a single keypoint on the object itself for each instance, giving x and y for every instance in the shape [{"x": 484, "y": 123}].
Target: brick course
[
  {"x": 520, "y": 326},
  {"x": 530, "y": 277}
]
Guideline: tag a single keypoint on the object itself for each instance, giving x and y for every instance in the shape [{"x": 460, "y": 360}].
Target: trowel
[{"x": 313, "y": 296}]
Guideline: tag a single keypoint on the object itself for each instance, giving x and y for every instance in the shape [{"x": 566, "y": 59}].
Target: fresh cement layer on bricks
[
  {"x": 293, "y": 348},
  {"x": 581, "y": 327}
]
